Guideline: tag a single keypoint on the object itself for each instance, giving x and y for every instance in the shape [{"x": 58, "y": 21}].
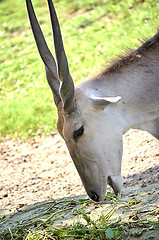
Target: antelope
[{"x": 94, "y": 115}]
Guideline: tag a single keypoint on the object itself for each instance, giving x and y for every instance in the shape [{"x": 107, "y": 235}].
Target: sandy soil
[{"x": 41, "y": 169}]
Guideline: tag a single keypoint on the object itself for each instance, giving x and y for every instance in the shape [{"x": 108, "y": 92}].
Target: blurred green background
[{"x": 94, "y": 32}]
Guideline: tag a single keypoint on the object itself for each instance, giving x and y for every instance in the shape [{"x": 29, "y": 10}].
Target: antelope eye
[{"x": 77, "y": 133}]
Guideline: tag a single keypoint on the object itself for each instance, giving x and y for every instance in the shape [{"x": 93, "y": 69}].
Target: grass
[
  {"x": 94, "y": 32},
  {"x": 41, "y": 227}
]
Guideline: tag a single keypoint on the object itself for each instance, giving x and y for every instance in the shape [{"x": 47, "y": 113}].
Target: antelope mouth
[{"x": 116, "y": 183}]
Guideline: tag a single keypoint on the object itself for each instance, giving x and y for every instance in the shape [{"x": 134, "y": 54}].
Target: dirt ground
[{"x": 41, "y": 169}]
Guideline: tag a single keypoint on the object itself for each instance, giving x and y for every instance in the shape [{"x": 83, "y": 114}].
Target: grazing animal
[{"x": 93, "y": 116}]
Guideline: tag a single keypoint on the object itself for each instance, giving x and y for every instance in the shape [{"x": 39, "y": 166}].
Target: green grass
[
  {"x": 94, "y": 32},
  {"x": 103, "y": 227}
]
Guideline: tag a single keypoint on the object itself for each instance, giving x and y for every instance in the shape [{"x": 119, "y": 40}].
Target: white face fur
[{"x": 94, "y": 139}]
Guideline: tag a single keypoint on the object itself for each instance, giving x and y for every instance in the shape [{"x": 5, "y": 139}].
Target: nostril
[{"x": 94, "y": 197}]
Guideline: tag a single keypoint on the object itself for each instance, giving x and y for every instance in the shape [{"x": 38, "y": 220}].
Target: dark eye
[{"x": 77, "y": 133}]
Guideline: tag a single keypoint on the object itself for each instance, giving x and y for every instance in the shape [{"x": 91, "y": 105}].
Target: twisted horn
[
  {"x": 67, "y": 86},
  {"x": 48, "y": 59}
]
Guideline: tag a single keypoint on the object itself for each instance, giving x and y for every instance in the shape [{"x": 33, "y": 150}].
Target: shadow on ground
[
  {"x": 141, "y": 178},
  {"x": 137, "y": 208}
]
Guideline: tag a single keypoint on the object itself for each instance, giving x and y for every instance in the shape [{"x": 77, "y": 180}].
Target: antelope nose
[{"x": 94, "y": 196}]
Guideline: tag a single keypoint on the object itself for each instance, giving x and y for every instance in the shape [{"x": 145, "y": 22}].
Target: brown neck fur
[{"x": 133, "y": 56}]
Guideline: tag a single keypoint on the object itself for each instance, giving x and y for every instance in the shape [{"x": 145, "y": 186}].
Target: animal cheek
[{"x": 60, "y": 129}]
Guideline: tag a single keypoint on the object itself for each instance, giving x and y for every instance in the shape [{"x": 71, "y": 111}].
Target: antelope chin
[{"x": 116, "y": 183}]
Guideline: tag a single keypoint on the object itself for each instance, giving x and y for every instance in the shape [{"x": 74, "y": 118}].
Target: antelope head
[{"x": 80, "y": 117}]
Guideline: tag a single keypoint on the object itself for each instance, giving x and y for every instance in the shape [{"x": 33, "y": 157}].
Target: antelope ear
[{"x": 100, "y": 103}]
